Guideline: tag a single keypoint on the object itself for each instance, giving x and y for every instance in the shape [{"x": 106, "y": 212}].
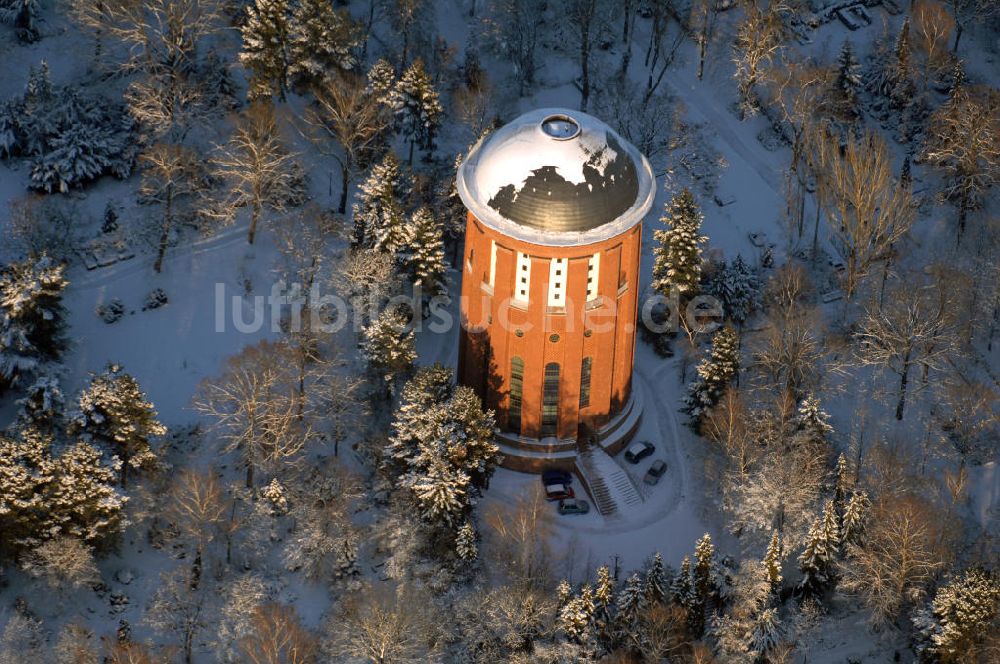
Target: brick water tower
[{"x": 550, "y": 283}]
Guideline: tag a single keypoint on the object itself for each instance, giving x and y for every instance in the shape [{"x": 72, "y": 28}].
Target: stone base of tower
[{"x": 532, "y": 455}]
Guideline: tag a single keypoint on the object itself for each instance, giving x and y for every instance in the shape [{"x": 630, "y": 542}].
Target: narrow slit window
[
  {"x": 550, "y": 400},
  {"x": 516, "y": 387},
  {"x": 585, "y": 382}
]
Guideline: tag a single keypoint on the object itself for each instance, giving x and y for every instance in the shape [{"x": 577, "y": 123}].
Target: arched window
[
  {"x": 516, "y": 386},
  {"x": 550, "y": 400},
  {"x": 585, "y": 382}
]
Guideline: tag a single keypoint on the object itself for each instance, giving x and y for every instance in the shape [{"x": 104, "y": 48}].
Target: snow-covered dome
[{"x": 556, "y": 176}]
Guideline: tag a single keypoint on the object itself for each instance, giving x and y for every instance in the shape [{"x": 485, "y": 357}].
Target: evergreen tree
[
  {"x": 655, "y": 590},
  {"x": 766, "y": 632},
  {"x": 681, "y": 588},
  {"x": 630, "y": 603},
  {"x": 847, "y": 85},
  {"x": 844, "y": 482},
  {"x": 465, "y": 543},
  {"x": 772, "y": 561},
  {"x": 389, "y": 346},
  {"x": 23, "y": 15},
  {"x": 817, "y": 560},
  {"x": 421, "y": 395},
  {"x": 677, "y": 254},
  {"x": 31, "y": 316},
  {"x": 715, "y": 373},
  {"x": 42, "y": 406},
  {"x": 44, "y": 496},
  {"x": 418, "y": 107},
  {"x": 382, "y": 83},
  {"x": 114, "y": 410},
  {"x": 266, "y": 47},
  {"x": 903, "y": 89},
  {"x": 378, "y": 214},
  {"x": 604, "y": 599},
  {"x": 564, "y": 592},
  {"x": 703, "y": 583},
  {"x": 855, "y": 514},
  {"x": 442, "y": 448},
  {"x": 321, "y": 40},
  {"x": 812, "y": 424},
  {"x": 577, "y": 616},
  {"x": 963, "y": 612},
  {"x": 425, "y": 255},
  {"x": 738, "y": 287}
]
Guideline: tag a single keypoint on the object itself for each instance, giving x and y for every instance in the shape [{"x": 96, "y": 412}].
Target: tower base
[{"x": 533, "y": 455}]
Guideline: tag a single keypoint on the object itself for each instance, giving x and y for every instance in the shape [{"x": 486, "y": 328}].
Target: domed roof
[{"x": 556, "y": 176}]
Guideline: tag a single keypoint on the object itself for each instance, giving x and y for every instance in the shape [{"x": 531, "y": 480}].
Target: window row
[{"x": 550, "y": 395}]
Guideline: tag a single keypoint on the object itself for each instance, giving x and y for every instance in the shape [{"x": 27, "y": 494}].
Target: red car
[{"x": 558, "y": 492}]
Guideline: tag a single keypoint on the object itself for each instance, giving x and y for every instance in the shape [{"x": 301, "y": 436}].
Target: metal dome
[{"x": 556, "y": 176}]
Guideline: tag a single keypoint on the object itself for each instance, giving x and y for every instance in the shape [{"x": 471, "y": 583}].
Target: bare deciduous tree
[
  {"x": 931, "y": 27},
  {"x": 199, "y": 508},
  {"x": 75, "y": 645},
  {"x": 909, "y": 331},
  {"x": 180, "y": 609},
  {"x": 867, "y": 208},
  {"x": 351, "y": 115},
  {"x": 277, "y": 637},
  {"x": 65, "y": 563},
  {"x": 171, "y": 174},
  {"x": 521, "y": 540},
  {"x": 512, "y": 29},
  {"x": 759, "y": 39},
  {"x": 256, "y": 406},
  {"x": 379, "y": 627},
  {"x": 901, "y": 552},
  {"x": 255, "y": 167},
  {"x": 963, "y": 142}
]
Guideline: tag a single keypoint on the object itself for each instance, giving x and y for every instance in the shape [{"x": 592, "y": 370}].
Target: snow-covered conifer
[
  {"x": 772, "y": 561},
  {"x": 82, "y": 500},
  {"x": 265, "y": 47},
  {"x": 703, "y": 582},
  {"x": 389, "y": 345},
  {"x": 425, "y": 253},
  {"x": 418, "y": 107},
  {"x": 604, "y": 601},
  {"x": 378, "y": 214},
  {"x": 656, "y": 586},
  {"x": 454, "y": 458},
  {"x": 681, "y": 588},
  {"x": 577, "y": 616},
  {"x": 817, "y": 560},
  {"x": 855, "y": 515},
  {"x": 428, "y": 388},
  {"x": 321, "y": 40},
  {"x": 677, "y": 254},
  {"x": 629, "y": 604},
  {"x": 715, "y": 373},
  {"x": 42, "y": 406},
  {"x": 114, "y": 410},
  {"x": 847, "y": 85},
  {"x": 31, "y": 316},
  {"x": 812, "y": 423},
  {"x": 963, "y": 612},
  {"x": 738, "y": 287},
  {"x": 382, "y": 83},
  {"x": 564, "y": 592},
  {"x": 23, "y": 15},
  {"x": 465, "y": 543},
  {"x": 844, "y": 482}
]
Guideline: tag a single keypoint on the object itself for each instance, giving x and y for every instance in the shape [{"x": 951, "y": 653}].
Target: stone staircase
[{"x": 610, "y": 487}]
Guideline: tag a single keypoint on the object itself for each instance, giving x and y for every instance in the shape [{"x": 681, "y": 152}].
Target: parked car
[
  {"x": 655, "y": 472},
  {"x": 558, "y": 492},
  {"x": 639, "y": 451},
  {"x": 556, "y": 476},
  {"x": 573, "y": 506}
]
